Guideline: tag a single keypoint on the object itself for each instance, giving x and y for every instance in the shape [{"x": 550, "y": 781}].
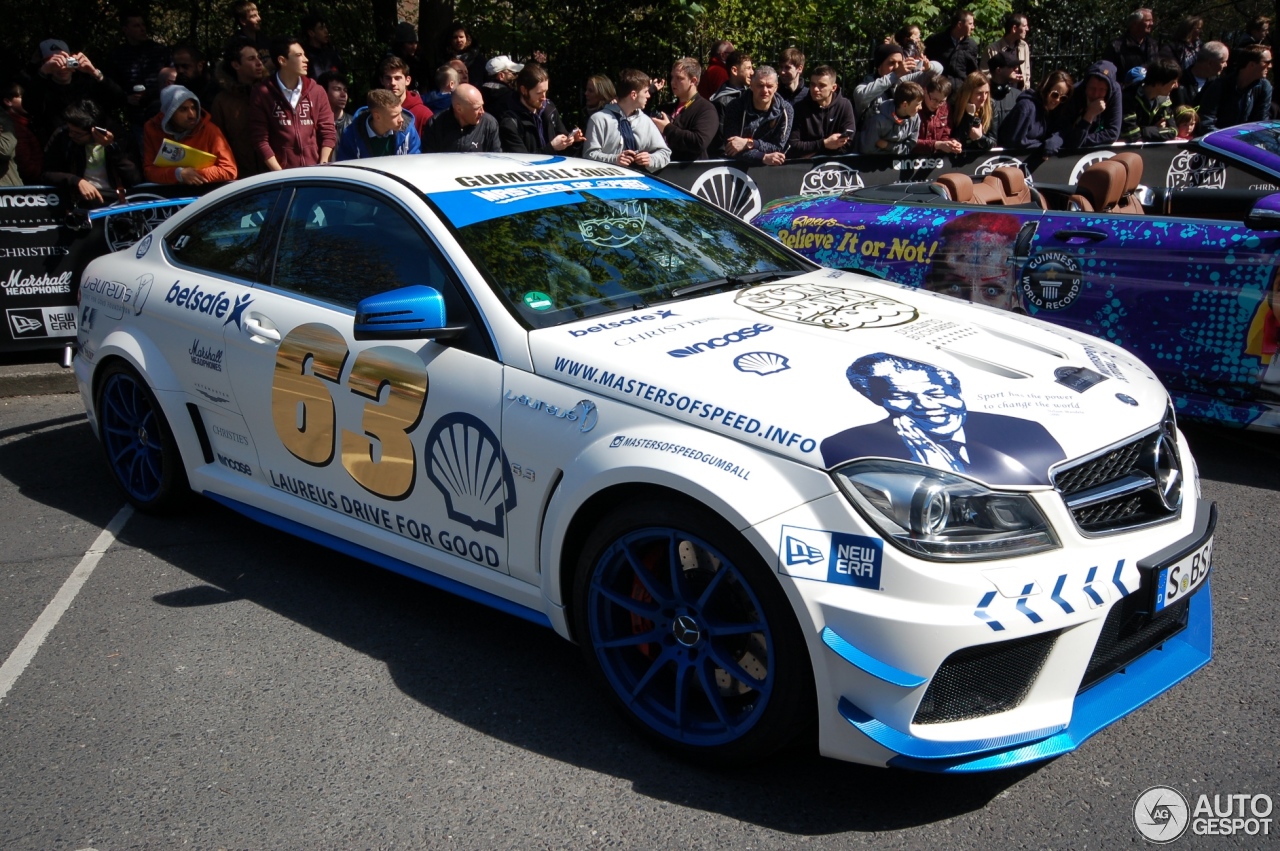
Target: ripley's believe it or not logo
[{"x": 1051, "y": 281}]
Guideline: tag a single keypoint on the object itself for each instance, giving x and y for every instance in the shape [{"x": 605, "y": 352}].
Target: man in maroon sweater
[
  {"x": 290, "y": 121},
  {"x": 394, "y": 74}
]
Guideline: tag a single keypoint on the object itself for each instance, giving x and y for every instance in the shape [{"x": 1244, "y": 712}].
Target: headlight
[{"x": 943, "y": 517}]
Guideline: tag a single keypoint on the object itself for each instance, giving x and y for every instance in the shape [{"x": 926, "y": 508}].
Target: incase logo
[
  {"x": 233, "y": 464},
  {"x": 719, "y": 342},
  {"x": 28, "y": 200}
]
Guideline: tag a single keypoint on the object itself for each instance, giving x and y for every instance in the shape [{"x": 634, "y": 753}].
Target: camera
[{"x": 72, "y": 62}]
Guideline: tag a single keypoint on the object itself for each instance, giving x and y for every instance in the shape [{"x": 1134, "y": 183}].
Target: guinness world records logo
[{"x": 1051, "y": 281}]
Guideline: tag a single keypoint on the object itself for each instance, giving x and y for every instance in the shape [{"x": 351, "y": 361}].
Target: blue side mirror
[{"x": 409, "y": 313}]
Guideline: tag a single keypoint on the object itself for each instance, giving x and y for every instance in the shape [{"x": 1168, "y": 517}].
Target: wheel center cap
[
  {"x": 686, "y": 630},
  {"x": 142, "y": 435}
]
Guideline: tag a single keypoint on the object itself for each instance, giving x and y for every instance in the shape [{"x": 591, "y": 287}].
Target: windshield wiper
[{"x": 734, "y": 281}]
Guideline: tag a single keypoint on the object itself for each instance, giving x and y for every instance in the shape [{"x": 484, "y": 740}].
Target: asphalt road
[{"x": 216, "y": 684}]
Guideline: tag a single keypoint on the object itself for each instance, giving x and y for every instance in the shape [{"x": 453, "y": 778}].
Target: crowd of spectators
[{"x": 167, "y": 114}]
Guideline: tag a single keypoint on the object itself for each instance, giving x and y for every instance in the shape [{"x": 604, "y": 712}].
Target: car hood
[
  {"x": 1256, "y": 144},
  {"x": 831, "y": 366}
]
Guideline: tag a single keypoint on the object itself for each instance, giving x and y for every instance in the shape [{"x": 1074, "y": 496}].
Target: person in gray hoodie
[
  {"x": 896, "y": 127},
  {"x": 622, "y": 134},
  {"x": 182, "y": 120}
]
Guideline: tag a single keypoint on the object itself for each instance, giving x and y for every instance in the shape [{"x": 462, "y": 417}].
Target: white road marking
[{"x": 30, "y": 643}]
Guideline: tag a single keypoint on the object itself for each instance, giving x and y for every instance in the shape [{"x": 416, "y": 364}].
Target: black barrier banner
[
  {"x": 743, "y": 189},
  {"x": 45, "y": 245}
]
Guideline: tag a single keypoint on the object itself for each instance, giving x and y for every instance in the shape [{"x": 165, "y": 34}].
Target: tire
[
  {"x": 138, "y": 443},
  {"x": 707, "y": 660}
]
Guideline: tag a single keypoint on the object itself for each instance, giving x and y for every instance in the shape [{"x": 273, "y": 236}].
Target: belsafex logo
[{"x": 825, "y": 556}]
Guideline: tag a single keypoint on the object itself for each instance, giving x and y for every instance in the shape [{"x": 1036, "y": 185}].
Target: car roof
[{"x": 432, "y": 173}]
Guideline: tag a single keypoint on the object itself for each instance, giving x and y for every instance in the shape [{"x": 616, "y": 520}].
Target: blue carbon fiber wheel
[
  {"x": 139, "y": 447},
  {"x": 689, "y": 637}
]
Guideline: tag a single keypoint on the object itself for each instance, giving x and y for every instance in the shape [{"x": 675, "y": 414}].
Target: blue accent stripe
[
  {"x": 928, "y": 749},
  {"x": 1088, "y": 587},
  {"x": 1138, "y": 683},
  {"x": 870, "y": 664},
  {"x": 1115, "y": 580},
  {"x": 1022, "y": 605},
  {"x": 1056, "y": 596},
  {"x": 420, "y": 574},
  {"x": 103, "y": 212},
  {"x": 981, "y": 612}
]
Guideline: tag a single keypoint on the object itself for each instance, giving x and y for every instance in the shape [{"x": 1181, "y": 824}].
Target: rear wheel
[
  {"x": 138, "y": 443},
  {"x": 692, "y": 634}
]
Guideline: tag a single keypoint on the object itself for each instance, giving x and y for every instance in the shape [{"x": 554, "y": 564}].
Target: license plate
[{"x": 1179, "y": 579}]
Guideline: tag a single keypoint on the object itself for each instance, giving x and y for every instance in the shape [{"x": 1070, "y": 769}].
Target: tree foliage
[{"x": 583, "y": 37}]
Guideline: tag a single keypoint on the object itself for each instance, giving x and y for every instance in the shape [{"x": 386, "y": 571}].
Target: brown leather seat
[
  {"x": 986, "y": 193},
  {"x": 959, "y": 187},
  {"x": 1012, "y": 185},
  {"x": 1129, "y": 202},
  {"x": 1100, "y": 187}
]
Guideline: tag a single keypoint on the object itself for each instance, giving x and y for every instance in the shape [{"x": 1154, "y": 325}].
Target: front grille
[
  {"x": 984, "y": 680},
  {"x": 1121, "y": 488},
  {"x": 1130, "y": 631}
]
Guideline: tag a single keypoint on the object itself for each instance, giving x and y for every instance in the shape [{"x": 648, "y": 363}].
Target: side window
[
  {"x": 340, "y": 246},
  {"x": 227, "y": 240}
]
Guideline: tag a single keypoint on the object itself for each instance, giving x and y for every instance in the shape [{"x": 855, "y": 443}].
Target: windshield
[{"x": 562, "y": 251}]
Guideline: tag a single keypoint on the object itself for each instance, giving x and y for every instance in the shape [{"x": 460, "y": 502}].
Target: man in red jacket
[
  {"x": 394, "y": 75},
  {"x": 182, "y": 120},
  {"x": 290, "y": 122}
]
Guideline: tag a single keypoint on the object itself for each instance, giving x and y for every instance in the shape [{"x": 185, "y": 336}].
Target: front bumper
[{"x": 880, "y": 654}]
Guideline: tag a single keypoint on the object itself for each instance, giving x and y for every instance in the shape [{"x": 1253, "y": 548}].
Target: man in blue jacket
[
  {"x": 381, "y": 129},
  {"x": 1239, "y": 96}
]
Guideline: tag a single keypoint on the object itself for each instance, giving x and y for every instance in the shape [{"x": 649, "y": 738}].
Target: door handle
[
  {"x": 1078, "y": 236},
  {"x": 257, "y": 329}
]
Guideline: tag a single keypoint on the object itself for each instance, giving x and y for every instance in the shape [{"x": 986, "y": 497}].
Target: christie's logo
[
  {"x": 729, "y": 339},
  {"x": 230, "y": 435},
  {"x": 28, "y": 200},
  {"x": 623, "y": 323},
  {"x": 205, "y": 356},
  {"x": 18, "y": 284}
]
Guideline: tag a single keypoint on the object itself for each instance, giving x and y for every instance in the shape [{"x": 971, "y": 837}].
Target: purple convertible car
[{"x": 1184, "y": 278}]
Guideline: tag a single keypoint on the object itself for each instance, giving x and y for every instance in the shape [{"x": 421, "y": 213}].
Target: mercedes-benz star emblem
[{"x": 686, "y": 631}]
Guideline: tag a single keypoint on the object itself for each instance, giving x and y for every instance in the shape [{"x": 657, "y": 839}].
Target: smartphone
[
  {"x": 101, "y": 130},
  {"x": 848, "y": 134}
]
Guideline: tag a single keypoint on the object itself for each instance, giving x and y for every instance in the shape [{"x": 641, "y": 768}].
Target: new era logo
[
  {"x": 26, "y": 323},
  {"x": 798, "y": 552}
]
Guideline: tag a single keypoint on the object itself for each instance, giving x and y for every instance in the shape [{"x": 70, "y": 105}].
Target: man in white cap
[
  {"x": 182, "y": 120},
  {"x": 499, "y": 90}
]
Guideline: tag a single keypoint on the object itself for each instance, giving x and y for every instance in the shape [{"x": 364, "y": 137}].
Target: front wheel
[
  {"x": 692, "y": 634},
  {"x": 138, "y": 443}
]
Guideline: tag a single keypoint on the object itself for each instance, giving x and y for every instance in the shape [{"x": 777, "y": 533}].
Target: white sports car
[{"x": 760, "y": 494}]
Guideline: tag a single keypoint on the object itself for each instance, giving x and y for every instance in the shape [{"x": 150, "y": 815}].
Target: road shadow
[
  {"x": 1233, "y": 455},
  {"x": 500, "y": 676}
]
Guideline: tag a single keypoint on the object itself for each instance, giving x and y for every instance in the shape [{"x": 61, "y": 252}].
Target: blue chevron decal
[
  {"x": 995, "y": 625},
  {"x": 1057, "y": 595},
  {"x": 1022, "y": 605}
]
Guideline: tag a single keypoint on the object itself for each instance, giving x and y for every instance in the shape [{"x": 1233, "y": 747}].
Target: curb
[{"x": 36, "y": 379}]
